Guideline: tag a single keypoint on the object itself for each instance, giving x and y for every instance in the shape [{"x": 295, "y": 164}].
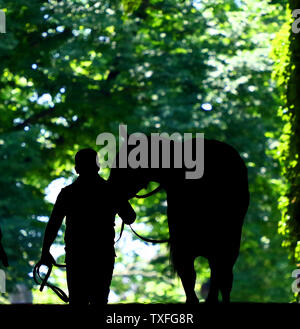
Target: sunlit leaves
[
  {"x": 83, "y": 67},
  {"x": 131, "y": 5},
  {"x": 286, "y": 71}
]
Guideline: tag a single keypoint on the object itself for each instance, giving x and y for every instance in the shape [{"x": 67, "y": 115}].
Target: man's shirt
[{"x": 89, "y": 207}]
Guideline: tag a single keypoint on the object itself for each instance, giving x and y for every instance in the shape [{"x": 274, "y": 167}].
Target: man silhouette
[
  {"x": 89, "y": 206},
  {"x": 3, "y": 256}
]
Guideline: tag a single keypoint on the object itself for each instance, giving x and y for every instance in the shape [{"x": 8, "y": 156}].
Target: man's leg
[
  {"x": 78, "y": 292},
  {"x": 100, "y": 288}
]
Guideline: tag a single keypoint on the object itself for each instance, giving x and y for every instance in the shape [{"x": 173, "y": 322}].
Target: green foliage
[
  {"x": 286, "y": 54},
  {"x": 131, "y": 5},
  {"x": 73, "y": 69}
]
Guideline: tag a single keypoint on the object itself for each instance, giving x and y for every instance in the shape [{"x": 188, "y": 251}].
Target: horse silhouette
[{"x": 205, "y": 215}]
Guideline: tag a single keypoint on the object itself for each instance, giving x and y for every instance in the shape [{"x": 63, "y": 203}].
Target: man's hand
[
  {"x": 47, "y": 259},
  {"x": 127, "y": 213}
]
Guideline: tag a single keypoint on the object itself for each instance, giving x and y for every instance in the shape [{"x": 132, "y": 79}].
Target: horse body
[{"x": 205, "y": 216}]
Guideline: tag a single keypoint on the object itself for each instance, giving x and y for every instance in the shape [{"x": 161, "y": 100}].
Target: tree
[
  {"x": 73, "y": 69},
  {"x": 286, "y": 50}
]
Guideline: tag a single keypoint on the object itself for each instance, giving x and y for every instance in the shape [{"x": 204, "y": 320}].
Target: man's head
[{"x": 86, "y": 162}]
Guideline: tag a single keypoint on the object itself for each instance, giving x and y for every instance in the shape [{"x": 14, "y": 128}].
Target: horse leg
[
  {"x": 186, "y": 271},
  {"x": 226, "y": 280},
  {"x": 226, "y": 263},
  {"x": 221, "y": 280}
]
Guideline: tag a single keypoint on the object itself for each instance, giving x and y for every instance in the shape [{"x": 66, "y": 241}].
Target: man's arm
[
  {"x": 55, "y": 221},
  {"x": 126, "y": 212}
]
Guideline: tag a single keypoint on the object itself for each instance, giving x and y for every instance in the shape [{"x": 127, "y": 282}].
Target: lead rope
[
  {"x": 43, "y": 281},
  {"x": 59, "y": 292},
  {"x": 139, "y": 236},
  {"x": 37, "y": 276},
  {"x": 148, "y": 239},
  {"x": 121, "y": 231}
]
